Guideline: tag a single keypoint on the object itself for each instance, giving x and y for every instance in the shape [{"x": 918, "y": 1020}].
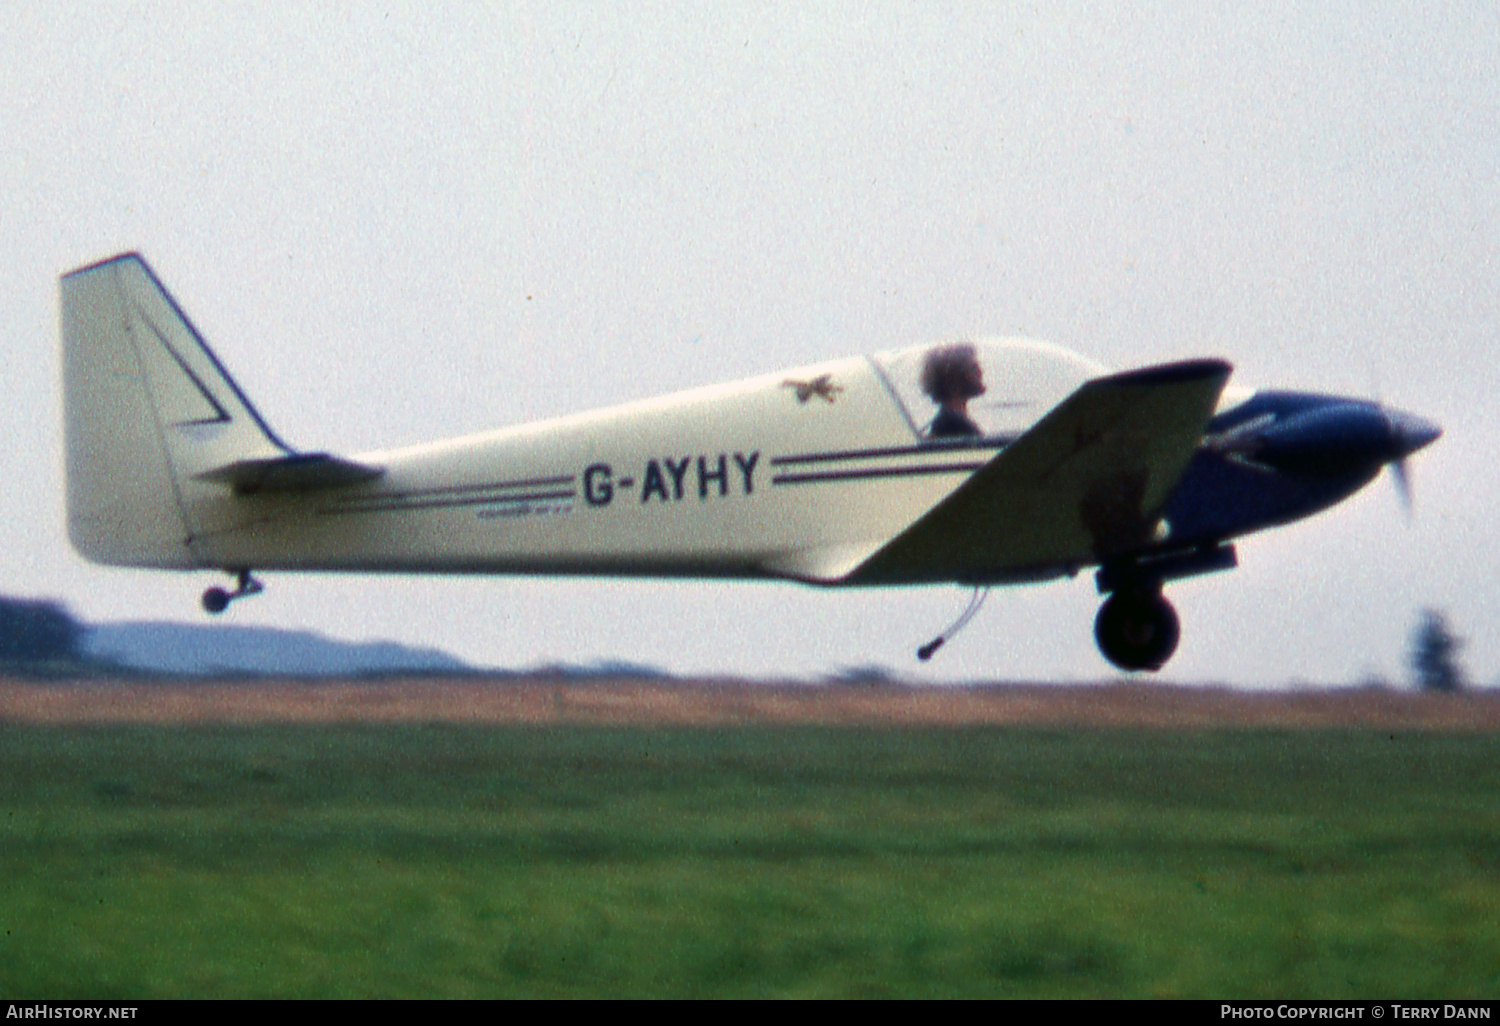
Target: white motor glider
[{"x": 970, "y": 463}]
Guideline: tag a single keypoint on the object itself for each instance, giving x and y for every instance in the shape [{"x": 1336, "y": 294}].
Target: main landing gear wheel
[{"x": 1137, "y": 630}]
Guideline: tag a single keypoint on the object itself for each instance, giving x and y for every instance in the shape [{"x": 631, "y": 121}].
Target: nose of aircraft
[
  {"x": 1410, "y": 432},
  {"x": 1343, "y": 436}
]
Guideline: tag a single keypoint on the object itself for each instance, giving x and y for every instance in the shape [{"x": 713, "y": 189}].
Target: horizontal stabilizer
[
  {"x": 1087, "y": 481},
  {"x": 301, "y": 472}
]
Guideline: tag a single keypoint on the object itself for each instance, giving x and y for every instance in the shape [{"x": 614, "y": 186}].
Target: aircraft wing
[
  {"x": 1086, "y": 481},
  {"x": 299, "y": 472}
]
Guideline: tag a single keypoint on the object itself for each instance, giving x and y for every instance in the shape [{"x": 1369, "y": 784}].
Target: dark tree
[
  {"x": 1434, "y": 654},
  {"x": 34, "y": 631}
]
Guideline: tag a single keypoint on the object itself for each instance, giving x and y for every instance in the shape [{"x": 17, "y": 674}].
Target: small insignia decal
[{"x": 821, "y": 386}]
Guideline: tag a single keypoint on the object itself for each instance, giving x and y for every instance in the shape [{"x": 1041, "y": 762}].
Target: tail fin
[{"x": 148, "y": 410}]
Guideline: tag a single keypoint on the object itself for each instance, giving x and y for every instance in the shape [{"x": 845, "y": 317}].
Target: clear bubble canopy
[{"x": 958, "y": 391}]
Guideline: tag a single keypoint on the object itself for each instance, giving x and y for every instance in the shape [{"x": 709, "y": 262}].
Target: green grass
[{"x": 445, "y": 861}]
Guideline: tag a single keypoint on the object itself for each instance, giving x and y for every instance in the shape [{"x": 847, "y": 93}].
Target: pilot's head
[{"x": 951, "y": 373}]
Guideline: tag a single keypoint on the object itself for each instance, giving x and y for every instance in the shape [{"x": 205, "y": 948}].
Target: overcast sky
[{"x": 398, "y": 223}]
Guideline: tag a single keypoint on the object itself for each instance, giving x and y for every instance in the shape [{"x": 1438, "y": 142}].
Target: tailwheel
[
  {"x": 216, "y": 600},
  {"x": 1137, "y": 630}
]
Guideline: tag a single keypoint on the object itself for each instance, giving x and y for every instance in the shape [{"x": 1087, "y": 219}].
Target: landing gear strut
[
  {"x": 1137, "y": 629},
  {"x": 216, "y": 600}
]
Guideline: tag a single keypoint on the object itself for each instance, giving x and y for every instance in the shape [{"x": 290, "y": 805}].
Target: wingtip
[{"x": 1175, "y": 373}]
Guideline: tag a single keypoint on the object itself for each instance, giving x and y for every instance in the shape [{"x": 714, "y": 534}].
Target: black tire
[
  {"x": 1137, "y": 630},
  {"x": 215, "y": 600}
]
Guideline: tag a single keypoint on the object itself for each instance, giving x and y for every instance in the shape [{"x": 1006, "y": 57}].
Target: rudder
[{"x": 147, "y": 410}]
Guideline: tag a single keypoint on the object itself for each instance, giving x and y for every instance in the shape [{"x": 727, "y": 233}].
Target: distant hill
[
  {"x": 40, "y": 638},
  {"x": 219, "y": 650}
]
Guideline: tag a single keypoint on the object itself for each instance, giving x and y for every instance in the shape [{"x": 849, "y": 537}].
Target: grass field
[{"x": 386, "y": 861}]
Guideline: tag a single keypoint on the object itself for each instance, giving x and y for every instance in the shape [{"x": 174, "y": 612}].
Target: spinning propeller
[{"x": 1408, "y": 433}]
